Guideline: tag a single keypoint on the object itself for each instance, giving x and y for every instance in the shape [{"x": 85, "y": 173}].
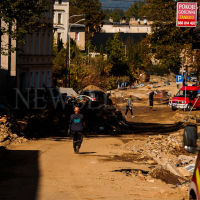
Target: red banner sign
[{"x": 186, "y": 14}]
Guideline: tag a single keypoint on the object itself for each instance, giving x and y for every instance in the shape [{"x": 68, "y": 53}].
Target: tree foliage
[
  {"x": 59, "y": 65},
  {"x": 166, "y": 41},
  {"x": 116, "y": 14},
  {"x": 135, "y": 10},
  {"x": 116, "y": 56},
  {"x": 93, "y": 13},
  {"x": 20, "y": 17}
]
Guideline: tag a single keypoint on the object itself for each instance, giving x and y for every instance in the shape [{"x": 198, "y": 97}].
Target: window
[
  {"x": 49, "y": 79},
  {"x": 189, "y": 93},
  {"x": 77, "y": 36},
  {"x": 32, "y": 79},
  {"x": 37, "y": 80},
  {"x": 58, "y": 37},
  {"x": 59, "y": 18},
  {"x": 43, "y": 79},
  {"x": 60, "y": 1}
]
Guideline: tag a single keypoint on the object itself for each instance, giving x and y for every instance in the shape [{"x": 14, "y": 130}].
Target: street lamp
[
  {"x": 70, "y": 46},
  {"x": 76, "y": 16}
]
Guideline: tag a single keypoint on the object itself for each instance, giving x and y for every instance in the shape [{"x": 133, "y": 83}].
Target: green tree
[
  {"x": 60, "y": 45},
  {"x": 166, "y": 41},
  {"x": 135, "y": 10},
  {"x": 59, "y": 65},
  {"x": 20, "y": 17},
  {"x": 116, "y": 14},
  {"x": 101, "y": 50},
  {"x": 116, "y": 56},
  {"x": 93, "y": 13}
]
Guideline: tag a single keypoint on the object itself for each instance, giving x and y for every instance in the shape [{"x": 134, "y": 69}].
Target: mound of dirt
[
  {"x": 93, "y": 87},
  {"x": 166, "y": 176}
]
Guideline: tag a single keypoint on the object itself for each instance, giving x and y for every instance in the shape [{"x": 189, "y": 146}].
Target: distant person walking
[
  {"x": 129, "y": 106},
  {"x": 151, "y": 99},
  {"x": 76, "y": 125}
]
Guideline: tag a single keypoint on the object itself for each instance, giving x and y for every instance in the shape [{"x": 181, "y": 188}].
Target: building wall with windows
[
  {"x": 34, "y": 61},
  {"x": 61, "y": 20},
  {"x": 126, "y": 28},
  {"x": 133, "y": 26}
]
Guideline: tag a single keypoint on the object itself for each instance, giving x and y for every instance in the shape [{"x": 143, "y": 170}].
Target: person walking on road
[
  {"x": 76, "y": 125},
  {"x": 129, "y": 106},
  {"x": 151, "y": 99}
]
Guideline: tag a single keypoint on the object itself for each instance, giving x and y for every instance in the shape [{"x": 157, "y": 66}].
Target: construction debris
[
  {"x": 173, "y": 164},
  {"x": 6, "y": 135}
]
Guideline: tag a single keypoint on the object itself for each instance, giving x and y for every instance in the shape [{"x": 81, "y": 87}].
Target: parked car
[
  {"x": 97, "y": 96},
  {"x": 186, "y": 98},
  {"x": 190, "y": 144}
]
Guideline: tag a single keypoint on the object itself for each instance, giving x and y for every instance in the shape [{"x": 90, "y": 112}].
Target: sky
[{"x": 124, "y": 4}]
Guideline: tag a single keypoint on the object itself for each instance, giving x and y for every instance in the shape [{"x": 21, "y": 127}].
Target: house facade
[
  {"x": 31, "y": 64},
  {"x": 61, "y": 20},
  {"x": 77, "y": 33},
  {"x": 35, "y": 58}
]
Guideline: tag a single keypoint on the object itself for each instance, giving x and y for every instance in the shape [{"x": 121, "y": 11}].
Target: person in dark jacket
[
  {"x": 151, "y": 99},
  {"x": 77, "y": 124}
]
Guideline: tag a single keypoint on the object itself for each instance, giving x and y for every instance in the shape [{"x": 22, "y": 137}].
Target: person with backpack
[{"x": 76, "y": 126}]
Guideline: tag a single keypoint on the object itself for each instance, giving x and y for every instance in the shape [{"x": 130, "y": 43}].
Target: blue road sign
[{"x": 179, "y": 79}]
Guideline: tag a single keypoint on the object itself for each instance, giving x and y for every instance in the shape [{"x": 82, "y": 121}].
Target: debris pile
[
  {"x": 166, "y": 157},
  {"x": 6, "y": 136}
]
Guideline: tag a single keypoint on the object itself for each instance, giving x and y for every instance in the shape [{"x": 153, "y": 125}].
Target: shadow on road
[
  {"x": 153, "y": 128},
  {"x": 86, "y": 153},
  {"x": 19, "y": 175}
]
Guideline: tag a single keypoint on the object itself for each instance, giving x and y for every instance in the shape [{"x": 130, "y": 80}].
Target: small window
[
  {"x": 31, "y": 79},
  {"x": 58, "y": 37},
  {"x": 77, "y": 36},
  {"x": 37, "y": 80},
  {"x": 60, "y": 1},
  {"x": 59, "y": 18}
]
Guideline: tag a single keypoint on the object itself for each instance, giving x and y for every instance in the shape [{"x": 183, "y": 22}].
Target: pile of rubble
[
  {"x": 6, "y": 136},
  {"x": 165, "y": 153},
  {"x": 169, "y": 153}
]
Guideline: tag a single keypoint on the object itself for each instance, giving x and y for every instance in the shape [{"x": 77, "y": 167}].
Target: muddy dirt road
[{"x": 49, "y": 170}]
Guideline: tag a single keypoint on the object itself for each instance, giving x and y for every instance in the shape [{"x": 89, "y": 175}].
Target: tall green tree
[
  {"x": 116, "y": 56},
  {"x": 92, "y": 9},
  {"x": 20, "y": 17},
  {"x": 166, "y": 41},
  {"x": 135, "y": 10}
]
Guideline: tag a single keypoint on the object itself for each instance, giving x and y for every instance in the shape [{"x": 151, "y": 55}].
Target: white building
[
  {"x": 61, "y": 20},
  {"x": 134, "y": 26}
]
